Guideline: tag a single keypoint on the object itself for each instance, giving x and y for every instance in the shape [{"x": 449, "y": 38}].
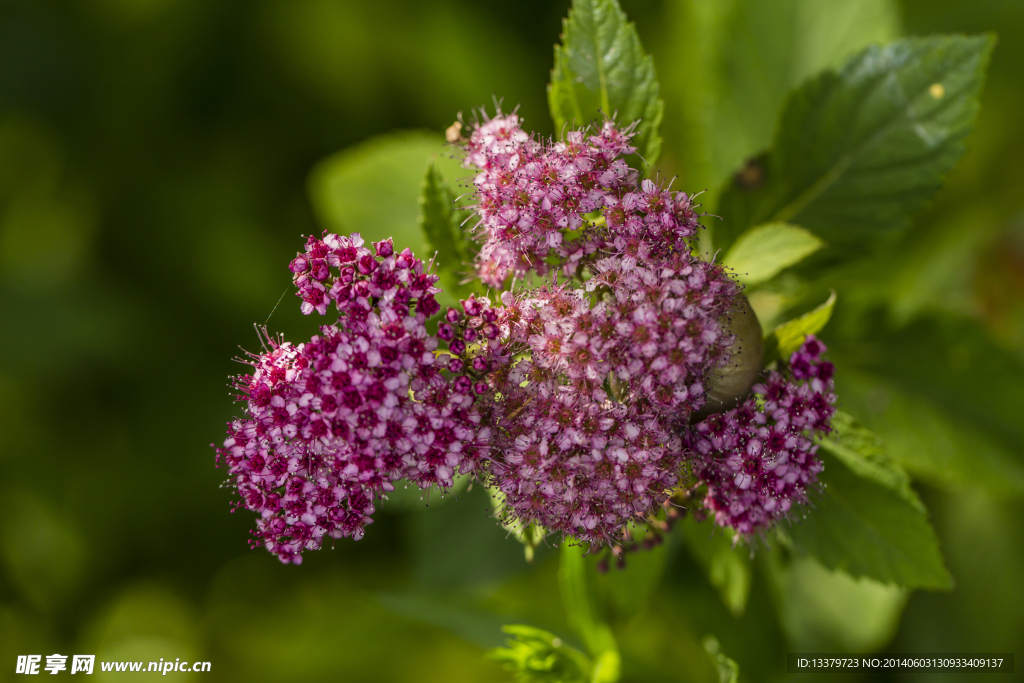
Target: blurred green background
[{"x": 154, "y": 158}]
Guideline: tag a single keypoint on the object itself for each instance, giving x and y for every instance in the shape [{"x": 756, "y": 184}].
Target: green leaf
[
  {"x": 728, "y": 568},
  {"x": 731, "y": 65},
  {"x": 762, "y": 252},
  {"x": 374, "y": 187},
  {"x": 944, "y": 394},
  {"x": 942, "y": 449},
  {"x": 443, "y": 230},
  {"x": 583, "y": 614},
  {"x": 857, "y": 151},
  {"x": 865, "y": 455},
  {"x": 830, "y": 611},
  {"x": 537, "y": 656},
  {"x": 728, "y": 669},
  {"x": 866, "y": 528},
  {"x": 787, "y": 337},
  {"x": 600, "y": 70}
]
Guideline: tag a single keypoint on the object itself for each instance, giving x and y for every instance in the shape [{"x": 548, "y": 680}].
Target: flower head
[{"x": 759, "y": 459}]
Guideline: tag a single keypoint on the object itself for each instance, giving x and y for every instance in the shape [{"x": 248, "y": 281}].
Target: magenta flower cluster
[
  {"x": 533, "y": 196},
  {"x": 332, "y": 423},
  {"x": 574, "y": 399},
  {"x": 758, "y": 459}
]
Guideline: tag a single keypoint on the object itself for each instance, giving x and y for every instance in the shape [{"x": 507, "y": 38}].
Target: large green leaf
[
  {"x": 732, "y": 63},
  {"x": 944, "y": 394},
  {"x": 374, "y": 187},
  {"x": 763, "y": 252},
  {"x": 858, "y": 150},
  {"x": 867, "y": 528},
  {"x": 863, "y": 452},
  {"x": 928, "y": 443},
  {"x": 600, "y": 70}
]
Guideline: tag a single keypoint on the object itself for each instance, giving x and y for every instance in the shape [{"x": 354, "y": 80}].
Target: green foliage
[
  {"x": 374, "y": 188},
  {"x": 734, "y": 62},
  {"x": 149, "y": 216},
  {"x": 728, "y": 669},
  {"x": 858, "y": 150},
  {"x": 727, "y": 566},
  {"x": 601, "y": 69},
  {"x": 628, "y": 592},
  {"x": 933, "y": 445},
  {"x": 787, "y": 337},
  {"x": 763, "y": 252},
  {"x": 584, "y": 614},
  {"x": 869, "y": 522},
  {"x": 443, "y": 229},
  {"x": 830, "y": 611},
  {"x": 536, "y": 656}
]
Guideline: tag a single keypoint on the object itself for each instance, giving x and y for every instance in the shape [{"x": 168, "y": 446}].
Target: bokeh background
[{"x": 154, "y": 166}]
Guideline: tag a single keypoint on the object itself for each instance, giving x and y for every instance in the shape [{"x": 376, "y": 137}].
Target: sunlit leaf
[
  {"x": 537, "y": 656},
  {"x": 732, "y": 64},
  {"x": 859, "y": 150},
  {"x": 763, "y": 252},
  {"x": 831, "y": 611},
  {"x": 787, "y": 337},
  {"x": 601, "y": 69},
  {"x": 374, "y": 187}
]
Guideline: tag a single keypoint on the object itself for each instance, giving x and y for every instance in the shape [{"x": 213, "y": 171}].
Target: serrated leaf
[
  {"x": 374, "y": 187},
  {"x": 537, "y": 656},
  {"x": 764, "y": 251},
  {"x": 443, "y": 230},
  {"x": 787, "y": 337},
  {"x": 863, "y": 452},
  {"x": 600, "y": 70},
  {"x": 859, "y": 150},
  {"x": 867, "y": 529},
  {"x": 947, "y": 396},
  {"x": 728, "y": 569},
  {"x": 740, "y": 59},
  {"x": 933, "y": 446}
]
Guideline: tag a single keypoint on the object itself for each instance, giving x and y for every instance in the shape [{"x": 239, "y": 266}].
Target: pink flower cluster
[
  {"x": 538, "y": 200},
  {"x": 573, "y": 400},
  {"x": 589, "y": 438},
  {"x": 758, "y": 459},
  {"x": 332, "y": 423}
]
